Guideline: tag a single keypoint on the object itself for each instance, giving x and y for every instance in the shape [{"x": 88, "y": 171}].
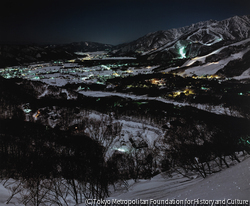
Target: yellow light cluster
[
  {"x": 36, "y": 114},
  {"x": 206, "y": 77},
  {"x": 175, "y": 94},
  {"x": 213, "y": 77},
  {"x": 129, "y": 71},
  {"x": 188, "y": 92},
  {"x": 159, "y": 82},
  {"x": 115, "y": 74},
  {"x": 178, "y": 93}
]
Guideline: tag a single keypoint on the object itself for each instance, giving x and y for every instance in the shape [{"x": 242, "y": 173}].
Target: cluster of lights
[
  {"x": 186, "y": 92},
  {"x": 50, "y": 72},
  {"x": 206, "y": 77},
  {"x": 159, "y": 82}
]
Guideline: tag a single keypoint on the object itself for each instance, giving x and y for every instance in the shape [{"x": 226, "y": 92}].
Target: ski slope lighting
[{"x": 182, "y": 53}]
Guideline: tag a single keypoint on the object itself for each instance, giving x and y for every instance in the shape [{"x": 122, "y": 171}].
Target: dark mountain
[{"x": 11, "y": 54}]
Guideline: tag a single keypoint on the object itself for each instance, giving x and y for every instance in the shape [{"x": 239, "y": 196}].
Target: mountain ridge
[{"x": 231, "y": 29}]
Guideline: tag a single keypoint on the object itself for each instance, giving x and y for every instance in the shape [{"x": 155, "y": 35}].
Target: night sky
[{"x": 105, "y": 21}]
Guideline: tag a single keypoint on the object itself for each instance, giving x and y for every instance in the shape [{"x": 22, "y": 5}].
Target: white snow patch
[
  {"x": 4, "y": 196},
  {"x": 244, "y": 75}
]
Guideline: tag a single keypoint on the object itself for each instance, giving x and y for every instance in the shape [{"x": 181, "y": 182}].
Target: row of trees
[
  {"x": 196, "y": 146},
  {"x": 51, "y": 164}
]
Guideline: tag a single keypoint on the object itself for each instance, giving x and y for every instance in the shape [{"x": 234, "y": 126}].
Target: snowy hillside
[
  {"x": 201, "y": 34},
  {"x": 232, "y": 183},
  {"x": 215, "y": 61},
  {"x": 202, "y": 39}
]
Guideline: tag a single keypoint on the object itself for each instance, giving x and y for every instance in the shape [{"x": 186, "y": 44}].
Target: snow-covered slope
[
  {"x": 198, "y": 35},
  {"x": 244, "y": 75},
  {"x": 232, "y": 184},
  {"x": 230, "y": 60},
  {"x": 203, "y": 38},
  {"x": 155, "y": 40},
  {"x": 229, "y": 184}
]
